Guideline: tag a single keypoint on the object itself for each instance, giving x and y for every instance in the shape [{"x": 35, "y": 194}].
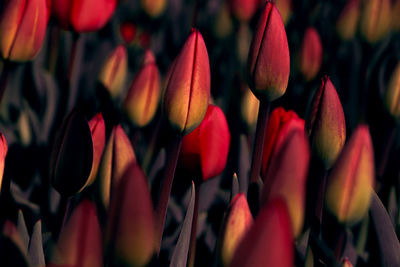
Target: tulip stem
[
  {"x": 5, "y": 75},
  {"x": 169, "y": 172},
  {"x": 62, "y": 208},
  {"x": 193, "y": 235},
  {"x": 150, "y": 150}
]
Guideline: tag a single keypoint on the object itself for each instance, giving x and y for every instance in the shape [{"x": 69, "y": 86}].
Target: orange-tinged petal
[
  {"x": 285, "y": 8},
  {"x": 91, "y": 15},
  {"x": 3, "y": 154},
  {"x": 188, "y": 91},
  {"x": 154, "y": 8},
  {"x": 346, "y": 25},
  {"x": 249, "y": 107},
  {"x": 392, "y": 94},
  {"x": 310, "y": 54},
  {"x": 350, "y": 183},
  {"x": 375, "y": 19},
  {"x": 395, "y": 17}
]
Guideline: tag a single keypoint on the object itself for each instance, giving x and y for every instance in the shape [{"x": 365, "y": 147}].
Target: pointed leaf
[{"x": 35, "y": 252}]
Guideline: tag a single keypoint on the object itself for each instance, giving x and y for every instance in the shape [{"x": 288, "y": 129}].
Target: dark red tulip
[
  {"x": 243, "y": 10},
  {"x": 311, "y": 53}
]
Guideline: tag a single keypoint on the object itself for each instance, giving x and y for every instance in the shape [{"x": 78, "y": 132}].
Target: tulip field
[{"x": 223, "y": 133}]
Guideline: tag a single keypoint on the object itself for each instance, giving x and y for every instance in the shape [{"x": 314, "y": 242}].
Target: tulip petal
[{"x": 91, "y": 15}]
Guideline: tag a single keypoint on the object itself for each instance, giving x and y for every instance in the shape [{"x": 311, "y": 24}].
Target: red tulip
[
  {"x": 128, "y": 32},
  {"x": 188, "y": 91},
  {"x": 269, "y": 241},
  {"x": 3, "y": 154},
  {"x": 83, "y": 16},
  {"x": 243, "y": 10},
  {"x": 269, "y": 63},
  {"x": 279, "y": 124},
  {"x": 22, "y": 29},
  {"x": 311, "y": 53},
  {"x": 206, "y": 148}
]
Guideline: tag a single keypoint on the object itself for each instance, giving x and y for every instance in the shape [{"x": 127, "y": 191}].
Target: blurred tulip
[
  {"x": 130, "y": 234},
  {"x": 113, "y": 72},
  {"x": 310, "y": 59},
  {"x": 206, "y": 148},
  {"x": 188, "y": 91},
  {"x": 268, "y": 64},
  {"x": 128, "y": 31},
  {"x": 395, "y": 15},
  {"x": 268, "y": 241},
  {"x": 80, "y": 241},
  {"x": 223, "y": 23},
  {"x": 347, "y": 22},
  {"x": 287, "y": 173},
  {"x": 3, "y": 154},
  {"x": 154, "y": 8},
  {"x": 243, "y": 10},
  {"x": 243, "y": 43},
  {"x": 346, "y": 263},
  {"x": 22, "y": 29},
  {"x": 237, "y": 222},
  {"x": 285, "y": 8},
  {"x": 83, "y": 16},
  {"x": 348, "y": 192},
  {"x": 143, "y": 96},
  {"x": 279, "y": 124},
  {"x": 392, "y": 94},
  {"x": 375, "y": 19},
  {"x": 117, "y": 156},
  {"x": 326, "y": 124},
  {"x": 249, "y": 108}
]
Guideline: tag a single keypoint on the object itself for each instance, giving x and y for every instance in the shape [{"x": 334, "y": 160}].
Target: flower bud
[
  {"x": 130, "y": 235},
  {"x": 80, "y": 241},
  {"x": 346, "y": 263},
  {"x": 22, "y": 29},
  {"x": 117, "y": 156},
  {"x": 392, "y": 94},
  {"x": 311, "y": 53},
  {"x": 83, "y": 16},
  {"x": 346, "y": 25},
  {"x": 188, "y": 91},
  {"x": 113, "y": 72},
  {"x": 375, "y": 19},
  {"x": 143, "y": 96},
  {"x": 127, "y": 31},
  {"x": 223, "y": 23},
  {"x": 249, "y": 108},
  {"x": 349, "y": 188},
  {"x": 268, "y": 64},
  {"x": 285, "y": 8},
  {"x": 287, "y": 173},
  {"x": 326, "y": 125},
  {"x": 268, "y": 241},
  {"x": 3, "y": 154},
  {"x": 206, "y": 148},
  {"x": 243, "y": 10},
  {"x": 154, "y": 8},
  {"x": 237, "y": 222},
  {"x": 278, "y": 125}
]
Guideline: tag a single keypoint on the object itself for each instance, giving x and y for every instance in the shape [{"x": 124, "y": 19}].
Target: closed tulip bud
[
  {"x": 268, "y": 242},
  {"x": 285, "y": 8},
  {"x": 223, "y": 24},
  {"x": 326, "y": 125},
  {"x": 3, "y": 154},
  {"x": 392, "y": 93},
  {"x": 375, "y": 19},
  {"x": 348, "y": 192},
  {"x": 287, "y": 173},
  {"x": 130, "y": 234},
  {"x": 187, "y": 95},
  {"x": 395, "y": 17},
  {"x": 127, "y": 31},
  {"x": 154, "y": 8},
  {"x": 113, "y": 72},
  {"x": 347, "y": 22},
  {"x": 243, "y": 10},
  {"x": 311, "y": 53},
  {"x": 80, "y": 241},
  {"x": 118, "y": 154},
  {"x": 83, "y": 16},
  {"x": 206, "y": 149},
  {"x": 237, "y": 222},
  {"x": 143, "y": 96},
  {"x": 249, "y": 108},
  {"x": 268, "y": 64},
  {"x": 279, "y": 124},
  {"x": 22, "y": 29}
]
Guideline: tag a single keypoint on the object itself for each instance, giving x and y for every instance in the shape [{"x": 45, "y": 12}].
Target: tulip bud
[
  {"x": 130, "y": 235},
  {"x": 13, "y": 252},
  {"x": 346, "y": 25},
  {"x": 128, "y": 31},
  {"x": 249, "y": 107},
  {"x": 279, "y": 124},
  {"x": 395, "y": 16},
  {"x": 117, "y": 156},
  {"x": 243, "y": 10},
  {"x": 326, "y": 125},
  {"x": 285, "y": 8},
  {"x": 375, "y": 19},
  {"x": 154, "y": 8},
  {"x": 223, "y": 24},
  {"x": 391, "y": 95},
  {"x": 113, "y": 72},
  {"x": 348, "y": 192},
  {"x": 206, "y": 148},
  {"x": 22, "y": 29},
  {"x": 83, "y": 16},
  {"x": 188, "y": 91},
  {"x": 268, "y": 242},
  {"x": 287, "y": 173},
  {"x": 3, "y": 154},
  {"x": 346, "y": 263},
  {"x": 143, "y": 96},
  {"x": 310, "y": 58},
  {"x": 269, "y": 63},
  {"x": 237, "y": 222}
]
